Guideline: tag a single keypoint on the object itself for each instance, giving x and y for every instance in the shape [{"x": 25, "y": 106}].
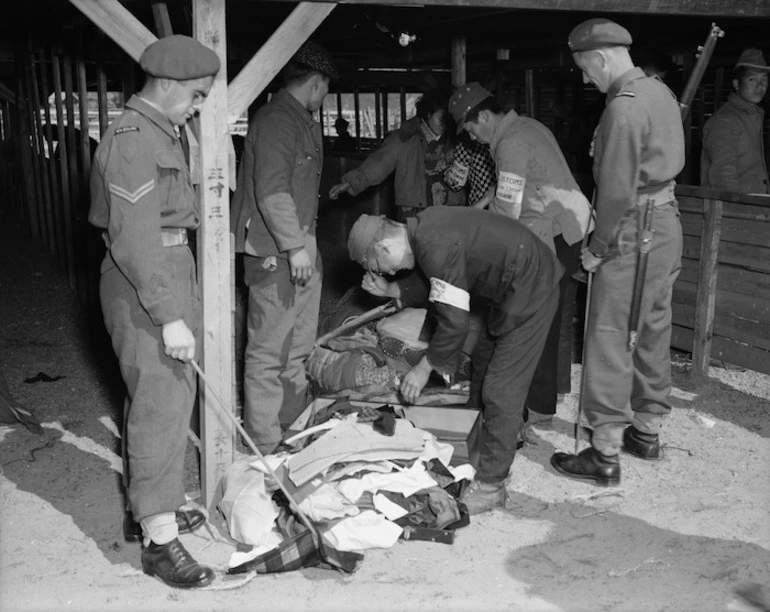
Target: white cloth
[
  {"x": 367, "y": 530},
  {"x": 406, "y": 482}
]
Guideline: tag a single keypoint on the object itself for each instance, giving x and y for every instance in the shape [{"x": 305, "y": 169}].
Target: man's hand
[
  {"x": 178, "y": 340},
  {"x": 589, "y": 260},
  {"x": 340, "y": 188},
  {"x": 415, "y": 380},
  {"x": 301, "y": 267},
  {"x": 377, "y": 285}
]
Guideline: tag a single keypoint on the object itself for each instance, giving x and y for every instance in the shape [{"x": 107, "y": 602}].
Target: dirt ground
[{"x": 680, "y": 534}]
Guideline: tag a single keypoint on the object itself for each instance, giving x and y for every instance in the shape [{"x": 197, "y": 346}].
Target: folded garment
[{"x": 367, "y": 530}]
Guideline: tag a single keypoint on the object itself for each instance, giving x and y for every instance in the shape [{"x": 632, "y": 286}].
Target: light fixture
[{"x": 405, "y": 39}]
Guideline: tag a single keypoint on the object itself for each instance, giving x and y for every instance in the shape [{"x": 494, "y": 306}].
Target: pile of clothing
[{"x": 364, "y": 477}]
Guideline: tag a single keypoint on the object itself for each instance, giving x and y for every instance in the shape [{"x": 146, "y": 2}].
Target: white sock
[{"x": 160, "y": 528}]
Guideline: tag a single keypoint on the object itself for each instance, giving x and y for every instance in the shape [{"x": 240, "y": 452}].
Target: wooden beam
[
  {"x": 118, "y": 23},
  {"x": 7, "y": 94},
  {"x": 704, "y": 8},
  {"x": 161, "y": 17},
  {"x": 217, "y": 432},
  {"x": 459, "y": 50},
  {"x": 273, "y": 55}
]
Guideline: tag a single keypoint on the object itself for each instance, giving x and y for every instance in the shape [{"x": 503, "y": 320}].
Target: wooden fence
[{"x": 721, "y": 304}]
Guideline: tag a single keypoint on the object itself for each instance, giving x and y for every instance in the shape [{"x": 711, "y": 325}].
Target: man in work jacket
[
  {"x": 274, "y": 220},
  {"x": 733, "y": 156},
  {"x": 143, "y": 199},
  {"x": 459, "y": 254},
  {"x": 535, "y": 186},
  {"x": 419, "y": 152},
  {"x": 638, "y": 149}
]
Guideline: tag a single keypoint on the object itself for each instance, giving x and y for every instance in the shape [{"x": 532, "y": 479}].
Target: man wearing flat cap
[
  {"x": 638, "y": 149},
  {"x": 733, "y": 156},
  {"x": 274, "y": 220},
  {"x": 459, "y": 254},
  {"x": 535, "y": 186},
  {"x": 143, "y": 200}
]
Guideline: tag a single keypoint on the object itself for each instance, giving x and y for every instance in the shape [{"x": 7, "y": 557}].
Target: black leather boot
[
  {"x": 186, "y": 520},
  {"x": 589, "y": 464},
  {"x": 640, "y": 444},
  {"x": 175, "y": 566}
]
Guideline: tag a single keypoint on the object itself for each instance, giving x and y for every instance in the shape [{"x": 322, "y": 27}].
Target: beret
[
  {"x": 597, "y": 33},
  {"x": 180, "y": 58},
  {"x": 752, "y": 58},
  {"x": 314, "y": 56},
  {"x": 464, "y": 99},
  {"x": 362, "y": 235}
]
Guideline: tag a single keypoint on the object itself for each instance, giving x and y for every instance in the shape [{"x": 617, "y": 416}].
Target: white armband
[{"x": 444, "y": 293}]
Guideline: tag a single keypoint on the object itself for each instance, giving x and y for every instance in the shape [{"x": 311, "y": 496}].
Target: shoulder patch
[
  {"x": 127, "y": 128},
  {"x": 627, "y": 94}
]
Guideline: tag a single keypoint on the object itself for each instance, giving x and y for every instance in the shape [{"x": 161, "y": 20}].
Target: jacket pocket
[{"x": 173, "y": 180}]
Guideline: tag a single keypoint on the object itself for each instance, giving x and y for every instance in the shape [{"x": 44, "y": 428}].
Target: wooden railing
[{"x": 721, "y": 303}]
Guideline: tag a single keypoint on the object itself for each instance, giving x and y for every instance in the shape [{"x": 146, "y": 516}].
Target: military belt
[
  {"x": 659, "y": 197},
  {"x": 172, "y": 237}
]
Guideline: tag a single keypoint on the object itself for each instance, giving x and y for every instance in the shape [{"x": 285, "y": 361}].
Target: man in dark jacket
[
  {"x": 459, "y": 254},
  {"x": 420, "y": 153}
]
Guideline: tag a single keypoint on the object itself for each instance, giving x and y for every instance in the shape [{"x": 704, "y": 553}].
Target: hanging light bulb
[{"x": 405, "y": 38}]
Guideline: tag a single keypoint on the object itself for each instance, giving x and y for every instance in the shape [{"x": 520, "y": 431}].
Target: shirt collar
[
  {"x": 510, "y": 117},
  {"x": 152, "y": 112},
  {"x": 282, "y": 96},
  {"x": 743, "y": 104},
  {"x": 620, "y": 82}
]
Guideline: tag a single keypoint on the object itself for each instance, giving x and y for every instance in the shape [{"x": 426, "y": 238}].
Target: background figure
[
  {"x": 419, "y": 153},
  {"x": 733, "y": 156},
  {"x": 638, "y": 150},
  {"x": 143, "y": 199},
  {"x": 535, "y": 186},
  {"x": 344, "y": 142},
  {"x": 473, "y": 167},
  {"x": 273, "y": 217}
]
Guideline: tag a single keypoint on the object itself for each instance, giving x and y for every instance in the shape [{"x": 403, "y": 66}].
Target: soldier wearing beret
[
  {"x": 274, "y": 220},
  {"x": 143, "y": 200},
  {"x": 638, "y": 149},
  {"x": 459, "y": 254}
]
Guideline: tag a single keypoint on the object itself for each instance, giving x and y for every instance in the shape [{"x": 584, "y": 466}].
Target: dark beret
[
  {"x": 180, "y": 58},
  {"x": 597, "y": 33},
  {"x": 314, "y": 56}
]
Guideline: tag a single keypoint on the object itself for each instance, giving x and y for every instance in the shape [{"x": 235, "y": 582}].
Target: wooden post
[
  {"x": 161, "y": 17},
  {"x": 529, "y": 93},
  {"x": 101, "y": 85},
  {"x": 705, "y": 300},
  {"x": 458, "y": 60},
  {"x": 377, "y": 113},
  {"x": 24, "y": 144},
  {"x": 217, "y": 434},
  {"x": 384, "y": 113},
  {"x": 65, "y": 201}
]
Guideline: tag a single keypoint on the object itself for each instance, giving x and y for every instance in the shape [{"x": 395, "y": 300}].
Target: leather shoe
[
  {"x": 187, "y": 521},
  {"x": 484, "y": 496},
  {"x": 589, "y": 464},
  {"x": 640, "y": 444},
  {"x": 175, "y": 566}
]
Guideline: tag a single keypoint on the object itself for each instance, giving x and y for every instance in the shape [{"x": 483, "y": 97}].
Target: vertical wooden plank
[
  {"x": 65, "y": 200},
  {"x": 101, "y": 84},
  {"x": 686, "y": 177},
  {"x": 162, "y": 19},
  {"x": 458, "y": 60},
  {"x": 217, "y": 433},
  {"x": 384, "y": 113},
  {"x": 42, "y": 171},
  {"x": 402, "y": 99},
  {"x": 33, "y": 121},
  {"x": 705, "y": 300},
  {"x": 377, "y": 114},
  {"x": 357, "y": 107},
  {"x": 24, "y": 143},
  {"x": 529, "y": 93}
]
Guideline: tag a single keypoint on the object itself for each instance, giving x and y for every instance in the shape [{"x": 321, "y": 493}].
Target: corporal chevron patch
[{"x": 132, "y": 196}]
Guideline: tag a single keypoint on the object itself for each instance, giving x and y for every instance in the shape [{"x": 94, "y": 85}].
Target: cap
[
  {"x": 362, "y": 235},
  {"x": 315, "y": 57},
  {"x": 464, "y": 99},
  {"x": 752, "y": 58},
  {"x": 597, "y": 33},
  {"x": 180, "y": 58}
]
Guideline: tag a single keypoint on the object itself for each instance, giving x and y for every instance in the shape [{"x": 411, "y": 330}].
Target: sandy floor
[{"x": 679, "y": 534}]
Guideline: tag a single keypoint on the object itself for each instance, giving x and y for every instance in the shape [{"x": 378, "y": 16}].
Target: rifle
[{"x": 704, "y": 56}]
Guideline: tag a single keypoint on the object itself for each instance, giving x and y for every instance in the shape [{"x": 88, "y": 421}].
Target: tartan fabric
[
  {"x": 481, "y": 173},
  {"x": 305, "y": 549}
]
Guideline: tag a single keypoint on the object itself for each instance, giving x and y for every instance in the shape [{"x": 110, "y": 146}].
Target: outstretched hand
[{"x": 340, "y": 188}]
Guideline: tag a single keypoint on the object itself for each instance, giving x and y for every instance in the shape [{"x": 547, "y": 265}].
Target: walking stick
[
  {"x": 589, "y": 279},
  {"x": 252, "y": 446}
]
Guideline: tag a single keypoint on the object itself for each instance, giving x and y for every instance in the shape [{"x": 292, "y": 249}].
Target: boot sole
[
  {"x": 602, "y": 482},
  {"x": 180, "y": 585}
]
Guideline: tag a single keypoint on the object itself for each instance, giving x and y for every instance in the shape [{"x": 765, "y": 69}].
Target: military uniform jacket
[
  {"x": 534, "y": 181},
  {"x": 464, "y": 253},
  {"x": 733, "y": 156},
  {"x": 638, "y": 148},
  {"x": 276, "y": 200},
  {"x": 140, "y": 184}
]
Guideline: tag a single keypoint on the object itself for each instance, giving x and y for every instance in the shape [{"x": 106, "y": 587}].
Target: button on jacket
[
  {"x": 276, "y": 201},
  {"x": 140, "y": 184},
  {"x": 733, "y": 156},
  {"x": 638, "y": 149},
  {"x": 534, "y": 182},
  {"x": 467, "y": 252}
]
